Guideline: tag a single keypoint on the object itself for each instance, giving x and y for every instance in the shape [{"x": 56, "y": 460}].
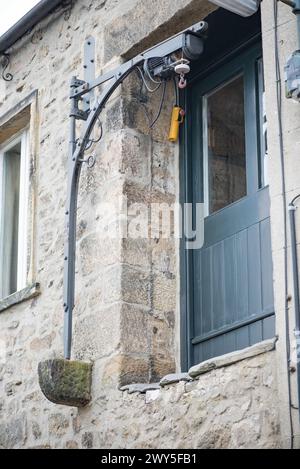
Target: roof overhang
[{"x": 27, "y": 22}]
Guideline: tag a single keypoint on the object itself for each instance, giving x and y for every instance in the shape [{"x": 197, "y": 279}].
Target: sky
[{"x": 12, "y": 11}]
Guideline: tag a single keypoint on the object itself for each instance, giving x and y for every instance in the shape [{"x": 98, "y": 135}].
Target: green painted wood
[{"x": 229, "y": 291}]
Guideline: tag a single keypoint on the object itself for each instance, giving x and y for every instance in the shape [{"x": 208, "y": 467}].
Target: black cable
[
  {"x": 163, "y": 94},
  {"x": 176, "y": 91},
  {"x": 292, "y": 202},
  {"x": 146, "y": 68},
  {"x": 142, "y": 101},
  {"x": 284, "y": 203},
  {"x": 151, "y": 90}
]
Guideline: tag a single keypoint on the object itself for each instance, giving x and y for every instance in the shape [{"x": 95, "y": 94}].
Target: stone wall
[
  {"x": 287, "y": 38},
  {"x": 126, "y": 318},
  {"x": 232, "y": 406},
  {"x": 225, "y": 408}
]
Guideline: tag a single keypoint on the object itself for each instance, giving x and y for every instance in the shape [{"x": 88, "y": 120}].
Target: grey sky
[{"x": 12, "y": 11}]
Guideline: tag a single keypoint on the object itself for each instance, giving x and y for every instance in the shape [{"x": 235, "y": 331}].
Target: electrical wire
[
  {"x": 162, "y": 83},
  {"x": 151, "y": 90},
  {"x": 292, "y": 202},
  {"x": 162, "y": 99},
  {"x": 284, "y": 204},
  {"x": 146, "y": 68},
  {"x": 176, "y": 91}
]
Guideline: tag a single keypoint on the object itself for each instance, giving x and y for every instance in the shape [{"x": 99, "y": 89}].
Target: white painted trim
[
  {"x": 23, "y": 212},
  {"x": 22, "y": 137},
  {"x": 1, "y": 221},
  {"x": 12, "y": 141}
]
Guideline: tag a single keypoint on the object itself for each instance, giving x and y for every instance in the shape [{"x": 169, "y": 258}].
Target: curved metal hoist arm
[{"x": 187, "y": 42}]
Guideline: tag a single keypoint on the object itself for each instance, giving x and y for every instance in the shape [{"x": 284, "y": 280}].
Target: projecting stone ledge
[
  {"x": 174, "y": 378},
  {"x": 142, "y": 388},
  {"x": 66, "y": 382},
  {"x": 233, "y": 357}
]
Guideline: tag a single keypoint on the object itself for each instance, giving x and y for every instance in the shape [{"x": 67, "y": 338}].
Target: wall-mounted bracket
[
  {"x": 81, "y": 91},
  {"x": 77, "y": 112},
  {"x": 89, "y": 72},
  {"x": 6, "y": 75}
]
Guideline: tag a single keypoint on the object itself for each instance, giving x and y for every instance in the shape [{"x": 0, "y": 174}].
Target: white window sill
[{"x": 19, "y": 296}]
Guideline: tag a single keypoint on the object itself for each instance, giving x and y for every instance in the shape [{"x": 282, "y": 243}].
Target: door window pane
[{"x": 225, "y": 147}]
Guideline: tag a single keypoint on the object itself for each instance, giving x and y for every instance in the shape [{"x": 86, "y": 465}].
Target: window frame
[
  {"x": 20, "y": 137},
  {"x": 244, "y": 63}
]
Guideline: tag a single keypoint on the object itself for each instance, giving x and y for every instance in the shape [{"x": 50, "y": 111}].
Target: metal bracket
[
  {"x": 89, "y": 72},
  {"x": 75, "y": 82},
  {"x": 82, "y": 90},
  {"x": 79, "y": 114},
  {"x": 6, "y": 75}
]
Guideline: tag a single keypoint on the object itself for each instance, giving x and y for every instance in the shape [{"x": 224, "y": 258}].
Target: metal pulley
[{"x": 182, "y": 68}]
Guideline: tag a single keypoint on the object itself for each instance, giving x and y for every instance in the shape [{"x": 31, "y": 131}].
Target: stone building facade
[{"x": 127, "y": 316}]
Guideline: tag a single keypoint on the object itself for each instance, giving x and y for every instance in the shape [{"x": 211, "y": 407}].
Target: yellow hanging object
[{"x": 176, "y": 120}]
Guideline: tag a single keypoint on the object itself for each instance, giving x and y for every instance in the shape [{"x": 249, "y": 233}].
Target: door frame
[{"x": 188, "y": 175}]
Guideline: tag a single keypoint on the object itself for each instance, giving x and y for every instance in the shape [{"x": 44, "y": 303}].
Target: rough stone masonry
[{"x": 127, "y": 295}]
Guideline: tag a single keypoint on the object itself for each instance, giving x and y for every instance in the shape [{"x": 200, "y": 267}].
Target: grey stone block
[
  {"x": 142, "y": 388},
  {"x": 12, "y": 433},
  {"x": 174, "y": 378},
  {"x": 66, "y": 382}
]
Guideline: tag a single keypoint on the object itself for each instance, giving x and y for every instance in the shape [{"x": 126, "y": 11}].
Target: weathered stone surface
[
  {"x": 229, "y": 407},
  {"x": 87, "y": 440},
  {"x": 134, "y": 329},
  {"x": 13, "y": 325},
  {"x": 161, "y": 327},
  {"x": 71, "y": 444},
  {"x": 66, "y": 382},
  {"x": 123, "y": 369},
  {"x": 152, "y": 395},
  {"x": 154, "y": 28},
  {"x": 139, "y": 387},
  {"x": 36, "y": 431},
  {"x": 135, "y": 286},
  {"x": 174, "y": 378},
  {"x": 58, "y": 424},
  {"x": 19, "y": 296},
  {"x": 97, "y": 335},
  {"x": 164, "y": 288},
  {"x": 13, "y": 433},
  {"x": 199, "y": 414},
  {"x": 233, "y": 357}
]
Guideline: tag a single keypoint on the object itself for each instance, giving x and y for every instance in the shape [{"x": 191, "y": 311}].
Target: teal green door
[{"x": 229, "y": 287}]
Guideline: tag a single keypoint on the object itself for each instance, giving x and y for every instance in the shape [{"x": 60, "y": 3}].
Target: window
[
  {"x": 13, "y": 214},
  {"x": 225, "y": 147}
]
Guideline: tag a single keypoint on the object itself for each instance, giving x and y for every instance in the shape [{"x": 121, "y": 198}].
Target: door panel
[
  {"x": 233, "y": 288},
  {"x": 230, "y": 287}
]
